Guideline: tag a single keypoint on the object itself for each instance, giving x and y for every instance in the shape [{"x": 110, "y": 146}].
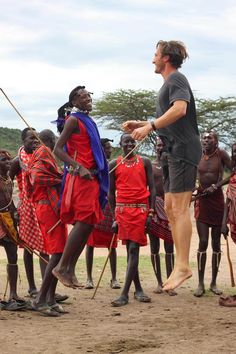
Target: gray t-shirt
[{"x": 181, "y": 139}]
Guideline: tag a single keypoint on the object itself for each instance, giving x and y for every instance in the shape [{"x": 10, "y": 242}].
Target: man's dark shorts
[{"x": 178, "y": 175}]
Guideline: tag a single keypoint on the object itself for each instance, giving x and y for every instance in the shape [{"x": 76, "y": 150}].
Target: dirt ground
[{"x": 179, "y": 324}]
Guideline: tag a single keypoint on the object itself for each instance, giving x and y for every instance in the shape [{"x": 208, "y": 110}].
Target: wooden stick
[
  {"x": 54, "y": 226},
  {"x": 230, "y": 264},
  {"x": 203, "y": 193},
  {"x": 25, "y": 121},
  {"x": 104, "y": 267}
]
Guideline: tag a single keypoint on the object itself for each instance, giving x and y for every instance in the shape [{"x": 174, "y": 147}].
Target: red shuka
[
  {"x": 84, "y": 202},
  {"x": 131, "y": 188}
]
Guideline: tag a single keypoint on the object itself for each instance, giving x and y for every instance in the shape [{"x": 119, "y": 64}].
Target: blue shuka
[{"x": 98, "y": 153}]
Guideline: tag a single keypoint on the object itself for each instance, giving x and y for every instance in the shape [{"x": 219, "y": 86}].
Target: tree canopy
[{"x": 114, "y": 108}]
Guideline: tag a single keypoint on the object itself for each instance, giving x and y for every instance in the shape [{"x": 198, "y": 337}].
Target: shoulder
[
  {"x": 223, "y": 154},
  {"x": 177, "y": 77},
  {"x": 146, "y": 161}
]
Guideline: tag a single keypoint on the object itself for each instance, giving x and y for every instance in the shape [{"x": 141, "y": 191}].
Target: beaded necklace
[{"x": 130, "y": 162}]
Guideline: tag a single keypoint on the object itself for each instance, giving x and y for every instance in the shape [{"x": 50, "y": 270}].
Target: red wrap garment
[
  {"x": 44, "y": 184},
  {"x": 83, "y": 204},
  {"x": 29, "y": 230},
  {"x": 209, "y": 209},
  {"x": 160, "y": 226},
  {"x": 131, "y": 201}
]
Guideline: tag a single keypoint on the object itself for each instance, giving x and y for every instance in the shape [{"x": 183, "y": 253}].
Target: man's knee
[
  {"x": 133, "y": 248},
  {"x": 203, "y": 244}
]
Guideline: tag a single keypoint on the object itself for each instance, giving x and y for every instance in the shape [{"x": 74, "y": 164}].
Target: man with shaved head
[{"x": 209, "y": 209}]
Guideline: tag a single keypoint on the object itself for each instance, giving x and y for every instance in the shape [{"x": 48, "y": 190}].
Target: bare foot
[
  {"x": 199, "y": 291},
  {"x": 63, "y": 278},
  {"x": 76, "y": 283},
  {"x": 158, "y": 290},
  {"x": 169, "y": 279},
  {"x": 177, "y": 279}
]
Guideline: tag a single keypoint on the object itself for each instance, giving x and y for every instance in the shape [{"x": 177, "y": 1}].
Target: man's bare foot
[
  {"x": 215, "y": 290},
  {"x": 76, "y": 283},
  {"x": 158, "y": 290},
  {"x": 177, "y": 279},
  {"x": 63, "y": 278},
  {"x": 169, "y": 279},
  {"x": 199, "y": 291}
]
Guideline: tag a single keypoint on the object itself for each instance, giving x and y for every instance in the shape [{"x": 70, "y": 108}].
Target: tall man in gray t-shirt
[{"x": 176, "y": 124}]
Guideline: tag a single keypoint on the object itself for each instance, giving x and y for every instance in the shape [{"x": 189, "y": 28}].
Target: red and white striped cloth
[
  {"x": 29, "y": 230},
  {"x": 159, "y": 225}
]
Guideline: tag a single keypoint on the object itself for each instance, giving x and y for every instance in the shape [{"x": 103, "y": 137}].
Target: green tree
[
  {"x": 10, "y": 139},
  {"x": 114, "y": 108},
  {"x": 218, "y": 115}
]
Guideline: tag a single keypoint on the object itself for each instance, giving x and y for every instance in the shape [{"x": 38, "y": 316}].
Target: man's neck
[{"x": 169, "y": 69}]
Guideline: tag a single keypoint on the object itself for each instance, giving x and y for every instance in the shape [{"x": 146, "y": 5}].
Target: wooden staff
[
  {"x": 230, "y": 264},
  {"x": 25, "y": 121},
  {"x": 104, "y": 267}
]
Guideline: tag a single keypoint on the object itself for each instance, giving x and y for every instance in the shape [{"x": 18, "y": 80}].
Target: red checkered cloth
[
  {"x": 106, "y": 223},
  {"x": 43, "y": 172},
  {"x": 29, "y": 230},
  {"x": 159, "y": 225}
]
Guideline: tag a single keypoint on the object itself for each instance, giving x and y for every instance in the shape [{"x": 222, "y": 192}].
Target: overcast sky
[{"x": 48, "y": 47}]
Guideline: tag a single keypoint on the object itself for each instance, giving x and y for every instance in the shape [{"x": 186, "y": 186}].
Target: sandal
[
  {"x": 14, "y": 305},
  {"x": 2, "y": 305},
  {"x": 44, "y": 309},
  {"x": 120, "y": 301},
  {"x": 141, "y": 297},
  {"x": 114, "y": 284},
  {"x": 58, "y": 308},
  {"x": 33, "y": 293},
  {"x": 61, "y": 298},
  {"x": 89, "y": 284}
]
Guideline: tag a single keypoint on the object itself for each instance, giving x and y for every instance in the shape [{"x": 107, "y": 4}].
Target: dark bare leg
[
  {"x": 113, "y": 264},
  {"x": 155, "y": 260},
  {"x": 42, "y": 263},
  {"x": 203, "y": 233},
  {"x": 89, "y": 262},
  {"x": 216, "y": 257},
  {"x": 12, "y": 269},
  {"x": 48, "y": 287},
  {"x": 132, "y": 268},
  {"x": 169, "y": 260},
  {"x": 74, "y": 246},
  {"x": 29, "y": 269}
]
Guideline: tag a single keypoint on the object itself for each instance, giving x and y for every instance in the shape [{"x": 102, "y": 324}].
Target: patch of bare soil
[{"x": 179, "y": 324}]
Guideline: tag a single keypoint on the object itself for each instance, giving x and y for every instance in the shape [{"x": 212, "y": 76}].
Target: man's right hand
[
  {"x": 225, "y": 230},
  {"x": 130, "y": 125},
  {"x": 114, "y": 227}
]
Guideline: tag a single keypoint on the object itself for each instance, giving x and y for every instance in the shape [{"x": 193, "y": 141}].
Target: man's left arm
[{"x": 226, "y": 160}]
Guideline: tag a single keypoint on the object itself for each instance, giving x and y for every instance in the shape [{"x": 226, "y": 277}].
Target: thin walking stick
[{"x": 104, "y": 267}]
